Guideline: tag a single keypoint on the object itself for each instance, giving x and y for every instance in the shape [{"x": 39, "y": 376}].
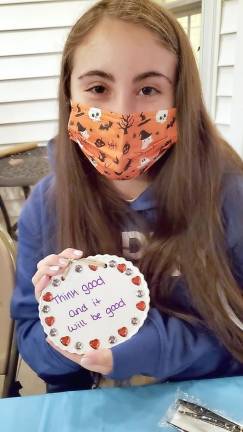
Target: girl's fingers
[
  {"x": 47, "y": 270},
  {"x": 71, "y": 254},
  {"x": 50, "y": 260},
  {"x": 42, "y": 284},
  {"x": 61, "y": 259},
  {"x": 53, "y": 260},
  {"x": 55, "y": 264},
  {"x": 52, "y": 265}
]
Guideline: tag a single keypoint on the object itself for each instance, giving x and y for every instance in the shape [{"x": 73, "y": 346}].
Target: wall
[
  {"x": 229, "y": 95},
  {"x": 222, "y": 66},
  {"x": 32, "y": 35},
  {"x": 31, "y": 41}
]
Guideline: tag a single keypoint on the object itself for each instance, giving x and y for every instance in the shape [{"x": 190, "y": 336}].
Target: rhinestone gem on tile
[
  {"x": 112, "y": 339},
  {"x": 134, "y": 321},
  {"x": 53, "y": 332},
  {"x": 140, "y": 293},
  {"x": 128, "y": 272},
  {"x": 78, "y": 345},
  {"x": 56, "y": 282},
  {"x": 78, "y": 268},
  {"x": 112, "y": 263},
  {"x": 45, "y": 309}
]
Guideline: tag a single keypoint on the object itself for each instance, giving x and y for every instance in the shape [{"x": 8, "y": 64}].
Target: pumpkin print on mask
[
  {"x": 126, "y": 148},
  {"x": 99, "y": 143}
]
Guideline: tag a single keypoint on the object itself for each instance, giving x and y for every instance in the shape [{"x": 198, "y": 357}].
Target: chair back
[{"x": 7, "y": 282}]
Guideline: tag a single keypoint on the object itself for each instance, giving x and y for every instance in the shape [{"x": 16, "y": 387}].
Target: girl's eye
[
  {"x": 99, "y": 89},
  {"x": 148, "y": 91}
]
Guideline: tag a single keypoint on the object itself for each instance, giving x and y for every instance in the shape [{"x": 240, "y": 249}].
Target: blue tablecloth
[{"x": 116, "y": 409}]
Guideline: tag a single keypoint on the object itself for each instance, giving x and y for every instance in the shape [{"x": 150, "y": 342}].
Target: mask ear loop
[
  {"x": 84, "y": 260},
  {"x": 229, "y": 310}
]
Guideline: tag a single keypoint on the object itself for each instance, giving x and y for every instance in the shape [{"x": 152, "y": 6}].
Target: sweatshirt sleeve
[
  {"x": 34, "y": 349},
  {"x": 170, "y": 348}
]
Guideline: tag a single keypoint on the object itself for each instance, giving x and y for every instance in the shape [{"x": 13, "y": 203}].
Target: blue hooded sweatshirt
[{"x": 166, "y": 347}]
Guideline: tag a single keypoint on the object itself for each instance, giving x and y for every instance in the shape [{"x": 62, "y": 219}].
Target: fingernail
[
  {"x": 54, "y": 268},
  {"x": 78, "y": 252}
]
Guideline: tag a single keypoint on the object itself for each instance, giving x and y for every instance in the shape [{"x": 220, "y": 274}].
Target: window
[
  {"x": 188, "y": 13},
  {"x": 191, "y": 23}
]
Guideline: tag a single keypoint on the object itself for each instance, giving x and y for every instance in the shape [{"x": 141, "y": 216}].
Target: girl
[{"x": 140, "y": 171}]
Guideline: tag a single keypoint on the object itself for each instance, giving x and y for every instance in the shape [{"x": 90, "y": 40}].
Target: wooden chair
[{"x": 8, "y": 347}]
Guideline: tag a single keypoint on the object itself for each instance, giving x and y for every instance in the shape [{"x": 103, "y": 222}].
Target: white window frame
[
  {"x": 209, "y": 44},
  {"x": 208, "y": 64},
  {"x": 180, "y": 7}
]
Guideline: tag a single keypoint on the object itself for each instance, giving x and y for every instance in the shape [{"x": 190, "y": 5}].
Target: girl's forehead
[
  {"x": 115, "y": 34},
  {"x": 115, "y": 43}
]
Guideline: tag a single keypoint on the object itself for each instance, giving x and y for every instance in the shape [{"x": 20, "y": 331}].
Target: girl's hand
[
  {"x": 52, "y": 265},
  {"x": 96, "y": 361}
]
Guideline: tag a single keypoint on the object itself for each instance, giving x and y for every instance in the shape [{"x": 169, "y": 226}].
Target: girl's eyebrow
[
  {"x": 151, "y": 74},
  {"x": 140, "y": 77}
]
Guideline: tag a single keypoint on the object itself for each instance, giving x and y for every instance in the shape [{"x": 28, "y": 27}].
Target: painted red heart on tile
[
  {"x": 47, "y": 297},
  {"x": 136, "y": 280},
  {"x": 92, "y": 267},
  {"x": 65, "y": 340},
  {"x": 123, "y": 331},
  {"x": 141, "y": 306},
  {"x": 49, "y": 321},
  {"x": 95, "y": 343},
  {"x": 121, "y": 268}
]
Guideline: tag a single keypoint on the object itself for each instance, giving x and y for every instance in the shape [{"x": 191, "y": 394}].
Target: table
[
  {"x": 134, "y": 409},
  {"x": 22, "y": 170},
  {"x": 25, "y": 168}
]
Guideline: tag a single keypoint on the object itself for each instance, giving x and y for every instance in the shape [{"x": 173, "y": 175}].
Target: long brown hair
[{"x": 188, "y": 231}]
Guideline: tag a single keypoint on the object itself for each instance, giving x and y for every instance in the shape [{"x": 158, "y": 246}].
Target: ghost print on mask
[
  {"x": 84, "y": 133},
  {"x": 143, "y": 162},
  {"x": 161, "y": 116},
  {"x": 95, "y": 114},
  {"x": 146, "y": 139}
]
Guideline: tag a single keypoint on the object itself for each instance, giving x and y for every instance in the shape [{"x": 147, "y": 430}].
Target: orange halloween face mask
[{"x": 122, "y": 146}]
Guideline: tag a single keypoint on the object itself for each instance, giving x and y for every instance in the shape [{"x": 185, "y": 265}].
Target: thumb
[{"x": 98, "y": 361}]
